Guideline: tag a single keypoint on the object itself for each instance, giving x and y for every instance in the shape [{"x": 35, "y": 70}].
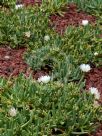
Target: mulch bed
[
  {"x": 94, "y": 79},
  {"x": 71, "y": 17},
  {"x": 12, "y": 62}
]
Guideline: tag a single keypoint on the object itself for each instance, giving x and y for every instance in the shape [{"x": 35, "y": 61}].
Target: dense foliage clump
[{"x": 29, "y": 108}]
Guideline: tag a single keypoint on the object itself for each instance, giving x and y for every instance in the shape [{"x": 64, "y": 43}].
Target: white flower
[
  {"x": 46, "y": 38},
  {"x": 18, "y": 6},
  {"x": 85, "y": 67},
  {"x": 7, "y": 57},
  {"x": 44, "y": 79},
  {"x": 95, "y": 92},
  {"x": 27, "y": 34},
  {"x": 96, "y": 53},
  {"x": 85, "y": 22},
  {"x": 12, "y": 112}
]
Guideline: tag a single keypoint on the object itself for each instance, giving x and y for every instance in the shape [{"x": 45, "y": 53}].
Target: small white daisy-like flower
[
  {"x": 85, "y": 22},
  {"x": 27, "y": 34},
  {"x": 19, "y": 6},
  {"x": 95, "y": 92},
  {"x": 44, "y": 79},
  {"x": 7, "y": 57},
  {"x": 46, "y": 38},
  {"x": 96, "y": 53},
  {"x": 12, "y": 112},
  {"x": 85, "y": 67}
]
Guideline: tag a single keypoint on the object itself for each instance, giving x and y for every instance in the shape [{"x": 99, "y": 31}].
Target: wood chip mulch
[
  {"x": 94, "y": 79},
  {"x": 12, "y": 64},
  {"x": 71, "y": 17}
]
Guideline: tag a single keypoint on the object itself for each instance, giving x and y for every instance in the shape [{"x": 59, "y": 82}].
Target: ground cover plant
[{"x": 50, "y": 68}]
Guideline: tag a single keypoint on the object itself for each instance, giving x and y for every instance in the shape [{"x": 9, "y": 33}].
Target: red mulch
[
  {"x": 15, "y": 64},
  {"x": 94, "y": 79},
  {"x": 71, "y": 17}
]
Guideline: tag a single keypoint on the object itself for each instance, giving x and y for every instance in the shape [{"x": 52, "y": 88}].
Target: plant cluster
[
  {"x": 65, "y": 54},
  {"x": 36, "y": 108}
]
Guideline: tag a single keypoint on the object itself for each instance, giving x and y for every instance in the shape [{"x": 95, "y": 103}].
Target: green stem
[
  {"x": 79, "y": 133},
  {"x": 81, "y": 79}
]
